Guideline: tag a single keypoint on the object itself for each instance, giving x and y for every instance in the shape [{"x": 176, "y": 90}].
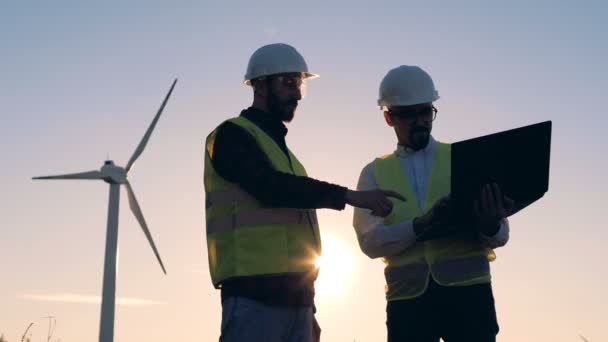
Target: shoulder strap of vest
[
  {"x": 257, "y": 132},
  {"x": 389, "y": 175},
  {"x": 443, "y": 148}
]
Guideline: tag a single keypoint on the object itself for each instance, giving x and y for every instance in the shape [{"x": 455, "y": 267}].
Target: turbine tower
[{"x": 116, "y": 176}]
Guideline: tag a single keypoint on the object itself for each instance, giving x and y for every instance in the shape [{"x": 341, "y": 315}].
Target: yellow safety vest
[
  {"x": 245, "y": 239},
  {"x": 450, "y": 261}
]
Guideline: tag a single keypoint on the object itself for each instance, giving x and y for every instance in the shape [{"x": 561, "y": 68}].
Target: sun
[{"x": 335, "y": 267}]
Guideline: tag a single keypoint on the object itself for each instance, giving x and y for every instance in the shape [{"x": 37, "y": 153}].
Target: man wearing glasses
[
  {"x": 262, "y": 232},
  {"x": 437, "y": 280}
]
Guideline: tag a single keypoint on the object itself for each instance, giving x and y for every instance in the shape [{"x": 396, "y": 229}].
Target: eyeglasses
[
  {"x": 290, "y": 81},
  {"x": 293, "y": 81},
  {"x": 426, "y": 114}
]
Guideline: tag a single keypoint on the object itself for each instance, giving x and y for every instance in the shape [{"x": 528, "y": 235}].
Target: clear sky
[{"x": 82, "y": 81}]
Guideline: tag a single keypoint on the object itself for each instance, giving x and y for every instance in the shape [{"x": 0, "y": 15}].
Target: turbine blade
[
  {"x": 80, "y": 175},
  {"x": 142, "y": 145},
  {"x": 142, "y": 222}
]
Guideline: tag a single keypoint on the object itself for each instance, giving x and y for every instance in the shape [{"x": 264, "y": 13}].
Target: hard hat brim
[{"x": 306, "y": 75}]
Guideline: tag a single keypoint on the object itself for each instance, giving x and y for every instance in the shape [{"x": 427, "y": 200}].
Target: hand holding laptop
[{"x": 491, "y": 208}]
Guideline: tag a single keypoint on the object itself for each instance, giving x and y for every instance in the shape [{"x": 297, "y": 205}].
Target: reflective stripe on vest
[
  {"x": 469, "y": 266},
  {"x": 222, "y": 197},
  {"x": 406, "y": 273},
  {"x": 259, "y": 217}
]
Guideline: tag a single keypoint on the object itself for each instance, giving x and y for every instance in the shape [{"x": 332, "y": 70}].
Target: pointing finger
[{"x": 390, "y": 193}]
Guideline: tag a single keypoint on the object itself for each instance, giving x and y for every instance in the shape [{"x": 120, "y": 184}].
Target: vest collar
[{"x": 268, "y": 122}]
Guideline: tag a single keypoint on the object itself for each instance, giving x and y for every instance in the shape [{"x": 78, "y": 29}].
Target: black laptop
[{"x": 517, "y": 160}]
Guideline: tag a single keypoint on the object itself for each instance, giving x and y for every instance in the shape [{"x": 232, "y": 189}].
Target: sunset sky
[{"x": 81, "y": 82}]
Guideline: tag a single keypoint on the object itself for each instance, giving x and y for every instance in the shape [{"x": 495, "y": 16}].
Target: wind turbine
[{"x": 116, "y": 176}]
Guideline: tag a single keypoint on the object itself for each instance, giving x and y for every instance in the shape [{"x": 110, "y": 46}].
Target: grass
[{"x": 26, "y": 338}]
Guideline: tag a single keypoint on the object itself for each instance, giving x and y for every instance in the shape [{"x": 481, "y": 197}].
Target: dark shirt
[{"x": 237, "y": 158}]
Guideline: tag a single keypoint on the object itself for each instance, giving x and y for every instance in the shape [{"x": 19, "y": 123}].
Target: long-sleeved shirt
[
  {"x": 237, "y": 157},
  {"x": 379, "y": 240}
]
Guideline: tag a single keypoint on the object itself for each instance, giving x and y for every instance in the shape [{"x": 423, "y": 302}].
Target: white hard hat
[
  {"x": 405, "y": 86},
  {"x": 276, "y": 59}
]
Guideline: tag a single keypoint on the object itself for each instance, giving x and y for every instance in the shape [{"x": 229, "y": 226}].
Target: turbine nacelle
[{"x": 113, "y": 174}]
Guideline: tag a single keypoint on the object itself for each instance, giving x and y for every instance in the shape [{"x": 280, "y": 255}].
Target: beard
[
  {"x": 285, "y": 110},
  {"x": 419, "y": 137}
]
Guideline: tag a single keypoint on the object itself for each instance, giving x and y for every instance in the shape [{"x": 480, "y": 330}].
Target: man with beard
[
  {"x": 437, "y": 278},
  {"x": 262, "y": 232}
]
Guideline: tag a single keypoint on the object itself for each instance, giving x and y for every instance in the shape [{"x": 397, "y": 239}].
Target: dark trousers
[{"x": 455, "y": 314}]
